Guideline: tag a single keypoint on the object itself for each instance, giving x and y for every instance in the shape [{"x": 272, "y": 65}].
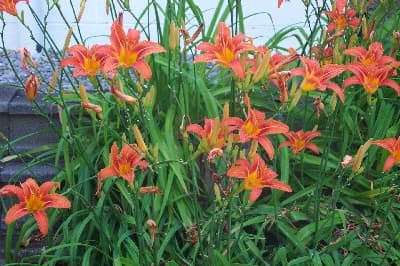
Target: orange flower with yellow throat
[
  {"x": 122, "y": 164},
  {"x": 256, "y": 176},
  {"x": 87, "y": 61},
  {"x": 34, "y": 199},
  {"x": 318, "y": 77},
  {"x": 226, "y": 50},
  {"x": 256, "y": 128},
  {"x": 126, "y": 50}
]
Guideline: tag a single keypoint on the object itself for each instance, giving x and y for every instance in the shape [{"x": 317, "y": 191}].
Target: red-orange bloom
[
  {"x": 9, "y": 6},
  {"x": 225, "y": 50},
  {"x": 393, "y": 146},
  {"x": 256, "y": 176},
  {"x": 211, "y": 136},
  {"x": 35, "y": 200},
  {"x": 255, "y": 127},
  {"x": 372, "y": 56},
  {"x": 127, "y": 50},
  {"x": 371, "y": 77},
  {"x": 122, "y": 164},
  {"x": 300, "y": 140},
  {"x": 87, "y": 62},
  {"x": 341, "y": 17},
  {"x": 317, "y": 77}
]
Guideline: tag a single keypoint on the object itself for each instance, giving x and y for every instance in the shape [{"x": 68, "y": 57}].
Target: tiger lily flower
[
  {"x": 225, "y": 50},
  {"x": 87, "y": 61},
  {"x": 372, "y": 56},
  {"x": 256, "y": 176},
  {"x": 393, "y": 146},
  {"x": 34, "y": 200},
  {"x": 317, "y": 77},
  {"x": 9, "y": 6},
  {"x": 122, "y": 164},
  {"x": 371, "y": 78},
  {"x": 300, "y": 140},
  {"x": 126, "y": 50},
  {"x": 211, "y": 135},
  {"x": 256, "y": 128},
  {"x": 341, "y": 17}
]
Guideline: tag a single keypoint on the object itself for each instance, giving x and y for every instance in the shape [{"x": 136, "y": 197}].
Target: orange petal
[
  {"x": 43, "y": 222},
  {"x": 57, "y": 201},
  {"x": 15, "y": 212}
]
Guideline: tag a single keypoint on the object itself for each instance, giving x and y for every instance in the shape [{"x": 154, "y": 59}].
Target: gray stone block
[
  {"x": 16, "y": 171},
  {"x": 7, "y": 93},
  {"x": 38, "y": 129}
]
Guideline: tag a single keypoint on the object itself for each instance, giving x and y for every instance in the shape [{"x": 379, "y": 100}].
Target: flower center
[
  {"x": 251, "y": 129},
  {"x": 91, "y": 66},
  {"x": 341, "y": 22},
  {"x": 396, "y": 155},
  {"x": 299, "y": 144},
  {"x": 309, "y": 83},
  {"x": 124, "y": 168},
  {"x": 226, "y": 56},
  {"x": 252, "y": 181},
  {"x": 371, "y": 84},
  {"x": 34, "y": 203},
  {"x": 126, "y": 57}
]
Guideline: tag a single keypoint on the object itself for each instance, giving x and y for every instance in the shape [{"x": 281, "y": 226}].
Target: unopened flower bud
[
  {"x": 31, "y": 87},
  {"x": 139, "y": 139}
]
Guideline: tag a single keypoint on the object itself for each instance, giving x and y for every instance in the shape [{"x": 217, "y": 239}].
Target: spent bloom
[
  {"x": 318, "y": 77},
  {"x": 256, "y": 176},
  {"x": 34, "y": 199},
  {"x": 341, "y": 17},
  {"x": 225, "y": 50},
  {"x": 300, "y": 140},
  {"x": 9, "y": 6},
  {"x": 256, "y": 128},
  {"x": 87, "y": 61},
  {"x": 126, "y": 50},
  {"x": 26, "y": 59},
  {"x": 122, "y": 164},
  {"x": 393, "y": 146}
]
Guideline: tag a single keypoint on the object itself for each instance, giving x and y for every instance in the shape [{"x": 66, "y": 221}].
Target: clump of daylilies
[{"x": 243, "y": 144}]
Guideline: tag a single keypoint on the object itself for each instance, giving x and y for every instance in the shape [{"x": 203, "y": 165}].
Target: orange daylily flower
[
  {"x": 126, "y": 50},
  {"x": 372, "y": 56},
  {"x": 225, "y": 50},
  {"x": 122, "y": 164},
  {"x": 35, "y": 200},
  {"x": 256, "y": 128},
  {"x": 87, "y": 61},
  {"x": 371, "y": 77},
  {"x": 341, "y": 17},
  {"x": 256, "y": 176},
  {"x": 211, "y": 135},
  {"x": 317, "y": 77},
  {"x": 9, "y": 6},
  {"x": 300, "y": 140},
  {"x": 26, "y": 59},
  {"x": 393, "y": 146}
]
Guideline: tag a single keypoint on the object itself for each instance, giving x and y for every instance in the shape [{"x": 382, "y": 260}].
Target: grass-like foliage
[{"x": 198, "y": 147}]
